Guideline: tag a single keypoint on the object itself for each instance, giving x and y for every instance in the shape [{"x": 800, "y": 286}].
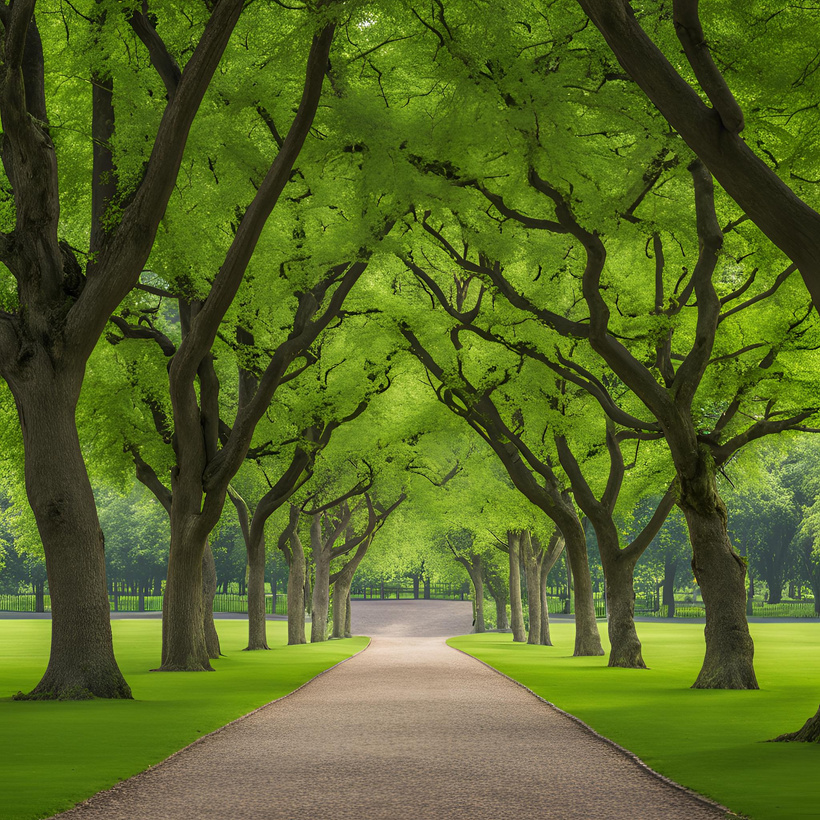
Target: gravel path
[{"x": 407, "y": 728}]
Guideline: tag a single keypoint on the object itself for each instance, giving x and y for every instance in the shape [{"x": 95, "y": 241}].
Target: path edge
[
  {"x": 701, "y": 798},
  {"x": 184, "y": 749}
]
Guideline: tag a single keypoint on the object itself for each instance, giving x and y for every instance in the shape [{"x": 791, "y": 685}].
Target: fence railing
[
  {"x": 229, "y": 602},
  {"x": 451, "y": 592}
]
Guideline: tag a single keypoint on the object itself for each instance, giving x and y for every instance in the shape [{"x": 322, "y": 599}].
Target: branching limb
[
  {"x": 690, "y": 33},
  {"x": 162, "y": 60}
]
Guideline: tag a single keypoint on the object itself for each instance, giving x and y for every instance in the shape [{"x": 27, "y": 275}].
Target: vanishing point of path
[{"x": 409, "y": 728}]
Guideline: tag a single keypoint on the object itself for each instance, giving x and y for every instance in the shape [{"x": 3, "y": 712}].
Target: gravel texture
[{"x": 409, "y": 728}]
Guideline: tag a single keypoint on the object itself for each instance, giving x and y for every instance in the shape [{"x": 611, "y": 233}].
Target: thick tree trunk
[
  {"x": 257, "y": 625},
  {"x": 625, "y": 646},
  {"x": 416, "y": 580},
  {"x": 721, "y": 575},
  {"x": 587, "y": 637},
  {"x": 296, "y": 598},
  {"x": 810, "y": 733},
  {"x": 516, "y": 607},
  {"x": 670, "y": 568},
  {"x": 426, "y": 589},
  {"x": 774, "y": 581},
  {"x": 341, "y": 592},
  {"x": 81, "y": 663},
  {"x": 184, "y": 648},
  {"x": 348, "y": 617},
  {"x": 208, "y": 593},
  {"x": 544, "y": 571},
  {"x": 501, "y": 622},
  {"x": 341, "y": 606},
  {"x": 307, "y": 593},
  {"x": 321, "y": 598},
  {"x": 477, "y": 577},
  {"x": 533, "y": 589}
]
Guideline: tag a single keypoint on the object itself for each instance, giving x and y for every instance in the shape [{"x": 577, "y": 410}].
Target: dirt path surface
[{"x": 408, "y": 728}]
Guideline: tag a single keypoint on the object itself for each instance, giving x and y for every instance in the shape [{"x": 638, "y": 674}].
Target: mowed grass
[
  {"x": 710, "y": 741},
  {"x": 55, "y": 754}
]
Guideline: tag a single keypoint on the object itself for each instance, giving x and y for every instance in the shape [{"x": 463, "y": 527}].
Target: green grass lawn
[
  {"x": 55, "y": 754},
  {"x": 710, "y": 741}
]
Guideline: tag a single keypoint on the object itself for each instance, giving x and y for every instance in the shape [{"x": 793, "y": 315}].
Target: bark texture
[
  {"x": 809, "y": 733},
  {"x": 81, "y": 662},
  {"x": 516, "y": 607}
]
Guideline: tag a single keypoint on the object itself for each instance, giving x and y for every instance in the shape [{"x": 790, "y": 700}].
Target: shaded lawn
[
  {"x": 710, "y": 741},
  {"x": 55, "y": 754}
]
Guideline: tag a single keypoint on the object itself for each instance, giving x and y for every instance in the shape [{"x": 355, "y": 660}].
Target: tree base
[
  {"x": 737, "y": 676},
  {"x": 179, "y": 667},
  {"x": 627, "y": 663},
  {"x": 810, "y": 733},
  {"x": 255, "y": 648},
  {"x": 110, "y": 687}
]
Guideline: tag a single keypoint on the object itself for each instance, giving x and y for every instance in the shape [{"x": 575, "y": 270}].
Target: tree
[{"x": 49, "y": 328}]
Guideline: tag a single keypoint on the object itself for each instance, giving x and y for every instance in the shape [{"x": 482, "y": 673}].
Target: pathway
[{"x": 408, "y": 728}]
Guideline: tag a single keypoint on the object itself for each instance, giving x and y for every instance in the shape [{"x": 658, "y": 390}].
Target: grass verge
[
  {"x": 56, "y": 754},
  {"x": 710, "y": 741}
]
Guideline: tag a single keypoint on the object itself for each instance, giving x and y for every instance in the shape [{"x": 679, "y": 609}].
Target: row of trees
[{"x": 233, "y": 230}]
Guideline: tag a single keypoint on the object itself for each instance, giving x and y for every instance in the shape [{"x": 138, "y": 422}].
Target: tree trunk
[
  {"x": 341, "y": 592},
  {"x": 321, "y": 597},
  {"x": 81, "y": 663},
  {"x": 587, "y": 637},
  {"x": 208, "y": 593},
  {"x": 721, "y": 575},
  {"x": 416, "y": 581},
  {"x": 257, "y": 625},
  {"x": 184, "y": 648},
  {"x": 40, "y": 596},
  {"x": 427, "y": 589},
  {"x": 533, "y": 588},
  {"x": 477, "y": 577},
  {"x": 625, "y": 646},
  {"x": 501, "y": 622},
  {"x": 810, "y": 733},
  {"x": 670, "y": 568},
  {"x": 774, "y": 581},
  {"x": 544, "y": 571},
  {"x": 307, "y": 593},
  {"x": 297, "y": 571},
  {"x": 516, "y": 608}
]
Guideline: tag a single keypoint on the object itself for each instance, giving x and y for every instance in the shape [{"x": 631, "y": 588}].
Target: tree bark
[
  {"x": 587, "y": 637},
  {"x": 533, "y": 588},
  {"x": 291, "y": 545},
  {"x": 809, "y": 733},
  {"x": 208, "y": 593},
  {"x": 321, "y": 583},
  {"x": 184, "y": 647},
  {"x": 257, "y": 623},
  {"x": 544, "y": 571},
  {"x": 477, "y": 577},
  {"x": 625, "y": 646},
  {"x": 516, "y": 607},
  {"x": 721, "y": 576},
  {"x": 81, "y": 663},
  {"x": 341, "y": 592},
  {"x": 670, "y": 568}
]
